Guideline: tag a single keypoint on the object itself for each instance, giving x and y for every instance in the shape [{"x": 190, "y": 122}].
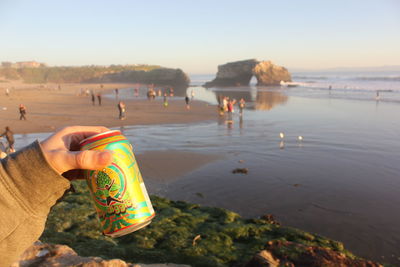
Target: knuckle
[{"x": 82, "y": 158}]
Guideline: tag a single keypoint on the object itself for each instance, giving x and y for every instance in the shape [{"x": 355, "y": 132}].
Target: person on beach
[
  {"x": 187, "y": 100},
  {"x": 99, "y": 97},
  {"x": 93, "y": 97},
  {"x": 192, "y": 94},
  {"x": 10, "y": 140},
  {"x": 22, "y": 112},
  {"x": 220, "y": 106},
  {"x": 151, "y": 94},
  {"x": 242, "y": 104},
  {"x": 225, "y": 103},
  {"x": 122, "y": 109},
  {"x": 136, "y": 90},
  {"x": 230, "y": 108},
  {"x": 34, "y": 178},
  {"x": 165, "y": 100}
]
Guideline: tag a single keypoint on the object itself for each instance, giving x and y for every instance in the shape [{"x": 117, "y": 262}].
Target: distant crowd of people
[
  {"x": 226, "y": 105},
  {"x": 96, "y": 97}
]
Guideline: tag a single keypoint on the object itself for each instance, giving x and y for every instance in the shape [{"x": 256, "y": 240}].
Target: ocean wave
[
  {"x": 310, "y": 77},
  {"x": 382, "y": 78}
]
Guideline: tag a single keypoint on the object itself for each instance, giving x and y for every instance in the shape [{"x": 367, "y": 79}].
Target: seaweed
[{"x": 181, "y": 232}]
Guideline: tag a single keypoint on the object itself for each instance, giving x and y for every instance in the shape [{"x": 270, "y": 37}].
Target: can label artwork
[{"x": 118, "y": 191}]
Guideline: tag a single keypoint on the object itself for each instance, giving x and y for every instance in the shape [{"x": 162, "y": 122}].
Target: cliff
[
  {"x": 161, "y": 76},
  {"x": 239, "y": 73},
  {"x": 99, "y": 74}
]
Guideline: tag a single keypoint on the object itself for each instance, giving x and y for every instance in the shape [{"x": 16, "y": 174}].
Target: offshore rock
[
  {"x": 50, "y": 255},
  {"x": 239, "y": 73}
]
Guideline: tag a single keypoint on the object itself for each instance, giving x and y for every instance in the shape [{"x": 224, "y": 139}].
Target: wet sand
[
  {"x": 167, "y": 166},
  {"x": 49, "y": 108}
]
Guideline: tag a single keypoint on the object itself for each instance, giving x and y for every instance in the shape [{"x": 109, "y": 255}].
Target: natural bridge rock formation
[{"x": 239, "y": 73}]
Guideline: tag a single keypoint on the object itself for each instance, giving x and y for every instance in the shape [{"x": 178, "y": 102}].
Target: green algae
[{"x": 223, "y": 238}]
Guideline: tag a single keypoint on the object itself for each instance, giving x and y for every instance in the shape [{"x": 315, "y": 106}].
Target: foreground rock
[
  {"x": 276, "y": 254},
  {"x": 185, "y": 233},
  {"x": 49, "y": 255},
  {"x": 239, "y": 73}
]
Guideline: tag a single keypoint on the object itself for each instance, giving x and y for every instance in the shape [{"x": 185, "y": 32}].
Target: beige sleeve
[{"x": 29, "y": 187}]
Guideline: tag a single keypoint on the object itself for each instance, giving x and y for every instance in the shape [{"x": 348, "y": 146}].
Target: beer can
[{"x": 118, "y": 191}]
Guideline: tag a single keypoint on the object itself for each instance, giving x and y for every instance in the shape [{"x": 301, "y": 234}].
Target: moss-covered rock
[{"x": 180, "y": 233}]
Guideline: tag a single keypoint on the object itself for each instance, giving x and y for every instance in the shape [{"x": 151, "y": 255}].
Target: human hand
[{"x": 62, "y": 151}]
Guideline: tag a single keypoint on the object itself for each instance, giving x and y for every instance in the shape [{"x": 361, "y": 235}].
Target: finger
[
  {"x": 84, "y": 131},
  {"x": 88, "y": 159}
]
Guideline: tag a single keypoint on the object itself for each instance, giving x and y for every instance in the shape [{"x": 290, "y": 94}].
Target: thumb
[{"x": 89, "y": 159}]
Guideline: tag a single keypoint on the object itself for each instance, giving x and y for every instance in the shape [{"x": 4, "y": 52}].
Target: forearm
[{"x": 29, "y": 187}]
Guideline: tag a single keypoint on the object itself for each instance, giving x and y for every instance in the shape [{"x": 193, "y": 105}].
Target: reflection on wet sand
[
  {"x": 258, "y": 100},
  {"x": 266, "y": 100}
]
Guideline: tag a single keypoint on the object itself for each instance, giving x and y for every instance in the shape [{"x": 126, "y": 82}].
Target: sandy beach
[{"x": 49, "y": 108}]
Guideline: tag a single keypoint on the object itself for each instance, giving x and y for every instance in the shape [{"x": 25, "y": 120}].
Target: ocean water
[{"x": 341, "y": 181}]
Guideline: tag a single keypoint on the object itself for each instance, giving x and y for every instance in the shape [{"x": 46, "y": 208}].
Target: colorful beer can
[{"x": 118, "y": 191}]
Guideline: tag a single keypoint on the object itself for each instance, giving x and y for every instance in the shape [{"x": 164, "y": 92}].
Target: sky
[{"x": 197, "y": 36}]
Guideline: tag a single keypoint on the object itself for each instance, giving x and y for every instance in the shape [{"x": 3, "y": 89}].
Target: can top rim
[{"x": 97, "y": 135}]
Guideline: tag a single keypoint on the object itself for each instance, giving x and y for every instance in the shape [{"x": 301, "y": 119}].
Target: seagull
[
  {"x": 300, "y": 138},
  {"x": 282, "y": 135}
]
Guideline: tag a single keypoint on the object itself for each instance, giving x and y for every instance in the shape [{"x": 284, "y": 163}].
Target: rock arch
[{"x": 239, "y": 73}]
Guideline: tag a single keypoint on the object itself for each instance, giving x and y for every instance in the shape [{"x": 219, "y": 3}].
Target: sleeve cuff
[{"x": 33, "y": 181}]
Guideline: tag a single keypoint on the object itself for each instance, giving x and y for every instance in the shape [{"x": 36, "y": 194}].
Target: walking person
[
  {"x": 230, "y": 108},
  {"x": 10, "y": 140},
  {"x": 187, "y": 100},
  {"x": 165, "y": 100},
  {"x": 377, "y": 97},
  {"x": 192, "y": 94},
  {"x": 225, "y": 103},
  {"x": 116, "y": 93},
  {"x": 221, "y": 110},
  {"x": 22, "y": 112},
  {"x": 242, "y": 104},
  {"x": 93, "y": 97},
  {"x": 99, "y": 98},
  {"x": 122, "y": 110}
]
